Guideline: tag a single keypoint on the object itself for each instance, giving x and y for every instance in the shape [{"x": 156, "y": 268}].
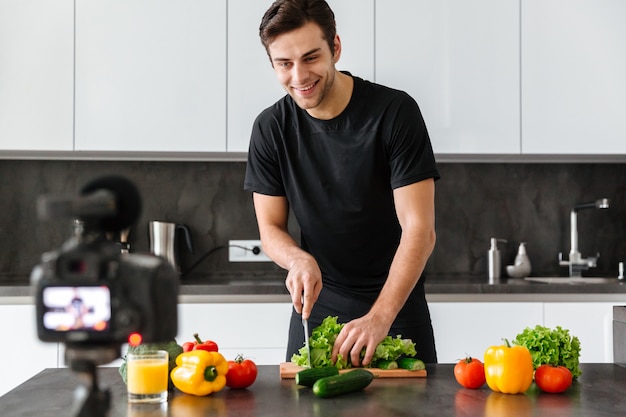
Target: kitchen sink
[{"x": 574, "y": 280}]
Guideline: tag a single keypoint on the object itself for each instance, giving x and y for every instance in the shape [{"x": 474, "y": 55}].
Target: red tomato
[
  {"x": 553, "y": 379},
  {"x": 470, "y": 373},
  {"x": 241, "y": 373}
]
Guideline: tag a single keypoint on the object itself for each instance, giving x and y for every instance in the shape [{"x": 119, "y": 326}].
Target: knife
[{"x": 305, "y": 324}]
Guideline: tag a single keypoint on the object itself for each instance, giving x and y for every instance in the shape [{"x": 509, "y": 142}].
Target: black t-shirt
[{"x": 338, "y": 176}]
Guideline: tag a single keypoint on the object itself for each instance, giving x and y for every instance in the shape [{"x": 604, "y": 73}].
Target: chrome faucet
[{"x": 576, "y": 262}]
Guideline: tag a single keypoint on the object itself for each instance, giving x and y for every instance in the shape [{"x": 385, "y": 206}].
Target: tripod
[{"x": 89, "y": 399}]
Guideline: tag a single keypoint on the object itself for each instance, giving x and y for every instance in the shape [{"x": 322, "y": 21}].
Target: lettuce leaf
[
  {"x": 323, "y": 338},
  {"x": 551, "y": 346}
]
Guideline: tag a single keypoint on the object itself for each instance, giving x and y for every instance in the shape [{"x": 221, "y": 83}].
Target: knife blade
[{"x": 305, "y": 324}]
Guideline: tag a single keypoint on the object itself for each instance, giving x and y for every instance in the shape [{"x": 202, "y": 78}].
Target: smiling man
[{"x": 352, "y": 159}]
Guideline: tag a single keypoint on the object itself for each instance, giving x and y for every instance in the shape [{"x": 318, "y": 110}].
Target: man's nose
[{"x": 299, "y": 73}]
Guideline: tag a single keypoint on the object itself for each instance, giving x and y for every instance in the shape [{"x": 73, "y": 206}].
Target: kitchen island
[{"x": 600, "y": 391}]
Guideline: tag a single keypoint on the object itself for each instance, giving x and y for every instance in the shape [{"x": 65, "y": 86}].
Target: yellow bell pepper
[
  {"x": 200, "y": 372},
  {"x": 508, "y": 369}
]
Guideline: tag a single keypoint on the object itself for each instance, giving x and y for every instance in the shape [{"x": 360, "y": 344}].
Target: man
[{"x": 354, "y": 162}]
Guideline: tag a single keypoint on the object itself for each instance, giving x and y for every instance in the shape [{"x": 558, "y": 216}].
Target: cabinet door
[
  {"x": 22, "y": 352},
  {"x": 470, "y": 328},
  {"x": 252, "y": 85},
  {"x": 150, "y": 75},
  {"x": 36, "y": 75},
  {"x": 592, "y": 323},
  {"x": 460, "y": 61},
  {"x": 256, "y": 330},
  {"x": 573, "y": 83}
]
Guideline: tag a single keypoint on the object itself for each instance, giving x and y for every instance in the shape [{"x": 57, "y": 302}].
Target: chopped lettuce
[
  {"x": 552, "y": 347},
  {"x": 323, "y": 338}
]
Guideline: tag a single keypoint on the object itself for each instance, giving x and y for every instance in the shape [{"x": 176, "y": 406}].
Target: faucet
[{"x": 576, "y": 262}]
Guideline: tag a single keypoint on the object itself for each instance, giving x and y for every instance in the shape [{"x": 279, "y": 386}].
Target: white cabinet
[
  {"x": 469, "y": 328},
  {"x": 256, "y": 330},
  {"x": 36, "y": 75},
  {"x": 150, "y": 75},
  {"x": 460, "y": 61},
  {"x": 592, "y": 323},
  {"x": 463, "y": 329},
  {"x": 23, "y": 355},
  {"x": 573, "y": 83},
  {"x": 252, "y": 85}
]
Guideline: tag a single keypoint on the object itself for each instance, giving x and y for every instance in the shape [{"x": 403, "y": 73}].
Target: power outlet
[{"x": 244, "y": 251}]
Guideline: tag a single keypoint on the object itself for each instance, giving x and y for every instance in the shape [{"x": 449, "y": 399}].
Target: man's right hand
[{"x": 304, "y": 282}]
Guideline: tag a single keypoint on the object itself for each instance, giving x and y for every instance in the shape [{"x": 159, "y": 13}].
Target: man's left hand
[{"x": 365, "y": 332}]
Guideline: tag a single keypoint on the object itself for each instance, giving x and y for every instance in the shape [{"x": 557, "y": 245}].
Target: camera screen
[{"x": 76, "y": 308}]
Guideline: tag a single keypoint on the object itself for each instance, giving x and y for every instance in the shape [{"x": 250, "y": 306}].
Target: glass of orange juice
[{"x": 147, "y": 376}]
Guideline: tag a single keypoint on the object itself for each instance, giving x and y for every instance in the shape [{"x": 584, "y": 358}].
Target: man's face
[{"x": 305, "y": 66}]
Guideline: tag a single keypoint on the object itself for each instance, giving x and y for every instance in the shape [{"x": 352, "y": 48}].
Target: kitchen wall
[{"x": 520, "y": 202}]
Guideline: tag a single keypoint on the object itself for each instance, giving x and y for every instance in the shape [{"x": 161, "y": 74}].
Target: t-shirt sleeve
[
  {"x": 410, "y": 153},
  {"x": 263, "y": 174}
]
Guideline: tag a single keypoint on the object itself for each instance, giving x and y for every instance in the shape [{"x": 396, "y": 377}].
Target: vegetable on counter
[
  {"x": 323, "y": 338},
  {"x": 200, "y": 372},
  {"x": 385, "y": 364},
  {"x": 351, "y": 381},
  {"x": 308, "y": 377},
  {"x": 470, "y": 373},
  {"x": 198, "y": 344},
  {"x": 241, "y": 373},
  {"x": 508, "y": 369},
  {"x": 173, "y": 350},
  {"x": 551, "y": 347},
  {"x": 411, "y": 364},
  {"x": 553, "y": 379}
]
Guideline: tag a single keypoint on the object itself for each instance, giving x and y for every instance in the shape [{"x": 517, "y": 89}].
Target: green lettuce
[
  {"x": 323, "y": 338},
  {"x": 551, "y": 346}
]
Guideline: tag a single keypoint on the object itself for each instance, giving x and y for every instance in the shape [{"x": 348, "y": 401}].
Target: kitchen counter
[
  {"x": 258, "y": 287},
  {"x": 600, "y": 391}
]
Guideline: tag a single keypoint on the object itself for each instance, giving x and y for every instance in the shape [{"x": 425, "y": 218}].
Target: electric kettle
[{"x": 164, "y": 237}]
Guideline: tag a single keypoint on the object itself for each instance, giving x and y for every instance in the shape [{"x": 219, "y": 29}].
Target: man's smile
[{"x": 305, "y": 90}]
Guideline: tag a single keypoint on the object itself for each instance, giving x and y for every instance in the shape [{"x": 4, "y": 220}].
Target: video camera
[{"x": 90, "y": 295}]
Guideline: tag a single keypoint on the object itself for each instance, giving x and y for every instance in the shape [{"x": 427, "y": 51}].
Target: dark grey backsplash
[{"x": 518, "y": 202}]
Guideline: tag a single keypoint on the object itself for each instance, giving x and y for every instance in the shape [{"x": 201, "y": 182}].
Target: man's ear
[{"x": 337, "y": 53}]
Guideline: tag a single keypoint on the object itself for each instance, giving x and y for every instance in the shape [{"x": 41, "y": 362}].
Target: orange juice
[{"x": 147, "y": 376}]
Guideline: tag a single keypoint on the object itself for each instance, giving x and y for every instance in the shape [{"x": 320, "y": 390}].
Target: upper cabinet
[
  {"x": 36, "y": 75},
  {"x": 159, "y": 77},
  {"x": 574, "y": 76},
  {"x": 252, "y": 85},
  {"x": 151, "y": 75},
  {"x": 460, "y": 61}
]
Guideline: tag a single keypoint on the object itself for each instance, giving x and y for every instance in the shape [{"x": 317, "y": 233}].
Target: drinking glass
[{"x": 147, "y": 376}]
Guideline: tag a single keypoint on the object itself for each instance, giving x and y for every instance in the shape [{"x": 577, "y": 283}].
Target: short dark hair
[{"x": 286, "y": 15}]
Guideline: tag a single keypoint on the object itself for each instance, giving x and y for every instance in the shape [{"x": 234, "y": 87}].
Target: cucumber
[
  {"x": 411, "y": 364},
  {"x": 307, "y": 377},
  {"x": 383, "y": 364},
  {"x": 350, "y": 381}
]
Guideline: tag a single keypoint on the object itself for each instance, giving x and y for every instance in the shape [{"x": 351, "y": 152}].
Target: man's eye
[{"x": 311, "y": 58}]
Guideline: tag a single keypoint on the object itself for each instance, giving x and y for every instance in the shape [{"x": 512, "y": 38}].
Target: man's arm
[
  {"x": 304, "y": 279},
  {"x": 415, "y": 208}
]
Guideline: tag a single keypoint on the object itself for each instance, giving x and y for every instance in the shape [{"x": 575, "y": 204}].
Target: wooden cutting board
[{"x": 288, "y": 370}]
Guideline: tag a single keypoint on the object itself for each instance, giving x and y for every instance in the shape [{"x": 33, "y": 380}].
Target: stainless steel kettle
[{"x": 164, "y": 238}]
